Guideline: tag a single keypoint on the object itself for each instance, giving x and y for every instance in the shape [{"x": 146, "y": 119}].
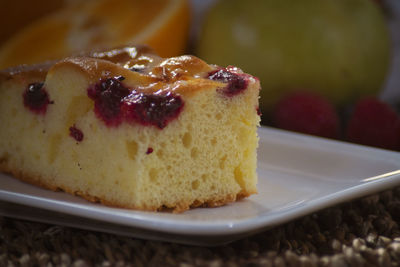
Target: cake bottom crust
[{"x": 182, "y": 206}]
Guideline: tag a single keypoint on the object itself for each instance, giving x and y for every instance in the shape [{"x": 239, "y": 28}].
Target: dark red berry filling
[
  {"x": 149, "y": 150},
  {"x": 76, "y": 133},
  {"x": 152, "y": 109},
  {"x": 108, "y": 94},
  {"x": 36, "y": 98},
  {"x": 115, "y": 103},
  {"x": 237, "y": 83}
]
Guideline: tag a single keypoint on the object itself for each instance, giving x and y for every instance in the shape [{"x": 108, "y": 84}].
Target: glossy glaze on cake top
[{"x": 132, "y": 84}]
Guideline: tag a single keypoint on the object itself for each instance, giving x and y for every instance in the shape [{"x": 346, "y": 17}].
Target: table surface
[{"x": 363, "y": 232}]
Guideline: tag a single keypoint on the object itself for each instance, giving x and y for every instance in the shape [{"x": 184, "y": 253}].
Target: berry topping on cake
[
  {"x": 149, "y": 150},
  {"x": 76, "y": 133},
  {"x": 36, "y": 98},
  {"x": 115, "y": 103},
  {"x": 108, "y": 94},
  {"x": 236, "y": 82},
  {"x": 154, "y": 109}
]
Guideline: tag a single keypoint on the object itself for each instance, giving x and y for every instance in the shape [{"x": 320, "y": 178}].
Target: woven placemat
[{"x": 364, "y": 232}]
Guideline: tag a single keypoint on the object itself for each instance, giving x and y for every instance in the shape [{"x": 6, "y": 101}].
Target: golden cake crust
[{"x": 157, "y": 72}]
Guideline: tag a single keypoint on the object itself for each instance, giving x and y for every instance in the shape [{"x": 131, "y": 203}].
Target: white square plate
[{"x": 298, "y": 175}]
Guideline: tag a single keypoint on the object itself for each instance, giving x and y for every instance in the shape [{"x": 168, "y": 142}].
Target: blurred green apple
[{"x": 338, "y": 48}]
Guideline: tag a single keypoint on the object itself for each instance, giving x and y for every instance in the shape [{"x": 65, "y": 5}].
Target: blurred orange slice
[
  {"x": 16, "y": 17},
  {"x": 96, "y": 24}
]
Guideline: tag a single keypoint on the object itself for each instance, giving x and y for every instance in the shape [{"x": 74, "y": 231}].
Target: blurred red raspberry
[
  {"x": 374, "y": 123},
  {"x": 308, "y": 113}
]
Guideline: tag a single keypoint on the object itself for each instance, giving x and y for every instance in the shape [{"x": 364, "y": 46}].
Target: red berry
[
  {"x": 374, "y": 123},
  {"x": 308, "y": 113}
]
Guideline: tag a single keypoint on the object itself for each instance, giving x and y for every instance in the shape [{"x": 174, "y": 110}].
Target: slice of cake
[{"x": 130, "y": 129}]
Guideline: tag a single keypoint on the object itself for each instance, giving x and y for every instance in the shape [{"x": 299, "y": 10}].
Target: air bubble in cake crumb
[
  {"x": 160, "y": 153},
  {"x": 187, "y": 140},
  {"x": 195, "y": 184},
  {"x": 214, "y": 141},
  {"x": 194, "y": 153},
  {"x": 153, "y": 173},
  {"x": 132, "y": 149},
  {"x": 222, "y": 162},
  {"x": 120, "y": 169}
]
